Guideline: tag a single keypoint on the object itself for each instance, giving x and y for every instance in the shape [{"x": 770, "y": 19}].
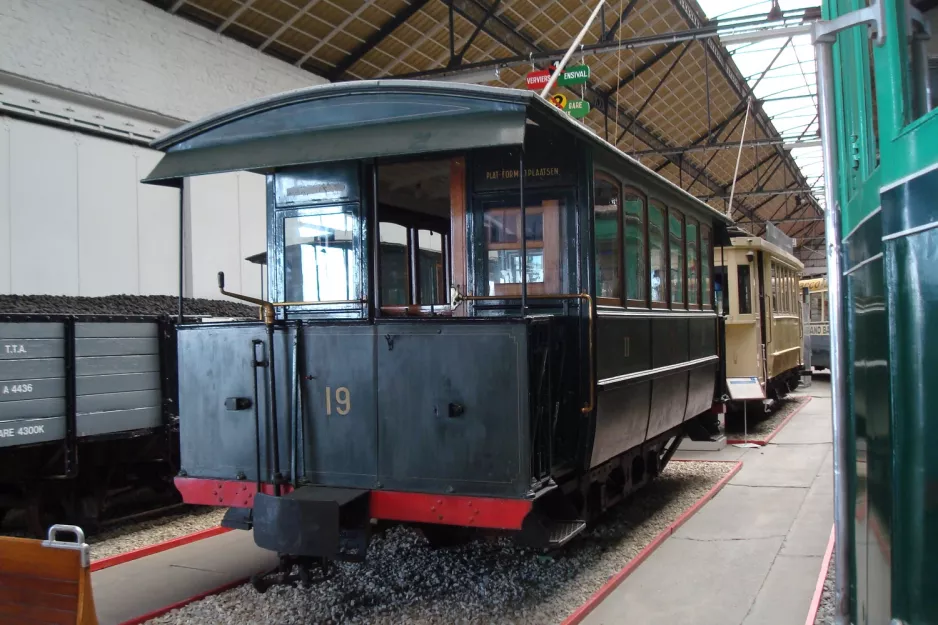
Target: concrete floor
[
  {"x": 752, "y": 555},
  {"x": 130, "y": 590}
]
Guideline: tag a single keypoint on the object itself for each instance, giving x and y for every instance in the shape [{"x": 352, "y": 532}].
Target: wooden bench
[{"x": 46, "y": 581}]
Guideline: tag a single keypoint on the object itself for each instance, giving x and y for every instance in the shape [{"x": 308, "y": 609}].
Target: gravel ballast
[
  {"x": 145, "y": 533},
  {"x": 486, "y": 581},
  {"x": 122, "y": 305},
  {"x": 758, "y": 426}
]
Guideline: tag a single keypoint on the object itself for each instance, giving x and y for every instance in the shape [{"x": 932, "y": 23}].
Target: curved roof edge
[
  {"x": 529, "y": 99},
  {"x": 316, "y": 92}
]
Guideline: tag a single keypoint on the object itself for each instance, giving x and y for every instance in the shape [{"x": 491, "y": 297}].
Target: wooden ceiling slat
[{"x": 332, "y": 32}]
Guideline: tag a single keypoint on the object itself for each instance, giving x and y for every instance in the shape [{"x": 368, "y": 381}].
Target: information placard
[{"x": 745, "y": 388}]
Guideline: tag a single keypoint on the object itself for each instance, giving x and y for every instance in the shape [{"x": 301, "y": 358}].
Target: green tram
[{"x": 881, "y": 157}]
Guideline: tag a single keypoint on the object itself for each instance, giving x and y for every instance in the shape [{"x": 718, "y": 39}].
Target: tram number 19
[{"x": 343, "y": 400}]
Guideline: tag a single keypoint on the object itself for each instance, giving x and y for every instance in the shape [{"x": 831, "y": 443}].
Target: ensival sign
[{"x": 574, "y": 75}]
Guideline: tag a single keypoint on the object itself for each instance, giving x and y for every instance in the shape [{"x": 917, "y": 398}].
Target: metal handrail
[{"x": 267, "y": 308}]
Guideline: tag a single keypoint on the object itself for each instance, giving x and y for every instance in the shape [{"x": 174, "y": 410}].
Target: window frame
[
  {"x": 695, "y": 305},
  {"x": 644, "y": 303},
  {"x": 277, "y": 288},
  {"x": 666, "y": 304},
  {"x": 683, "y": 304},
  {"x": 567, "y": 250},
  {"x": 622, "y": 299}
]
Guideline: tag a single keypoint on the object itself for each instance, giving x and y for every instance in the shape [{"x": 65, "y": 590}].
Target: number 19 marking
[{"x": 343, "y": 400}]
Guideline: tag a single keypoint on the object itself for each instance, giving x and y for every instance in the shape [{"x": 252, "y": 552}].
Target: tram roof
[
  {"x": 368, "y": 119},
  {"x": 814, "y": 284},
  {"x": 752, "y": 242}
]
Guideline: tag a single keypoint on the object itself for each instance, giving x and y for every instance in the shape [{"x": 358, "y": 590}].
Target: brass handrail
[
  {"x": 457, "y": 297},
  {"x": 324, "y": 301},
  {"x": 267, "y": 308}
]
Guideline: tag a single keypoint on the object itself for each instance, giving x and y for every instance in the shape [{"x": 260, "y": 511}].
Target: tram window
[
  {"x": 543, "y": 241},
  {"x": 722, "y": 290},
  {"x": 744, "y": 289},
  {"x": 608, "y": 252},
  {"x": 816, "y": 313},
  {"x": 394, "y": 280},
  {"x": 705, "y": 266},
  {"x": 321, "y": 252},
  {"x": 933, "y": 80},
  {"x": 693, "y": 282},
  {"x": 918, "y": 99},
  {"x": 656, "y": 253},
  {"x": 825, "y": 315},
  {"x": 774, "y": 283},
  {"x": 676, "y": 246},
  {"x": 636, "y": 273},
  {"x": 431, "y": 268}
]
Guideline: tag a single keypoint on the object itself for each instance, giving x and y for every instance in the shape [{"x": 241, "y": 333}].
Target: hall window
[
  {"x": 705, "y": 251},
  {"x": 543, "y": 240},
  {"x": 608, "y": 250},
  {"x": 657, "y": 262},
  {"x": 636, "y": 270},
  {"x": 693, "y": 268},
  {"x": 676, "y": 247}
]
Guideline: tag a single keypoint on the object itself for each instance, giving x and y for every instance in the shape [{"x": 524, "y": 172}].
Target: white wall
[
  {"x": 227, "y": 217},
  {"x": 131, "y": 52},
  {"x": 74, "y": 219}
]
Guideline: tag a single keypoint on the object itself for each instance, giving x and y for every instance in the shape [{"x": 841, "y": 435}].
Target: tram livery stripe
[{"x": 659, "y": 370}]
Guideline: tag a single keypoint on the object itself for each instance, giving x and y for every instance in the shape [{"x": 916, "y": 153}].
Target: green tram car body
[{"x": 885, "y": 143}]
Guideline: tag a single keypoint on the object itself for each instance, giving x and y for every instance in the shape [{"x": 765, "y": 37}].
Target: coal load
[{"x": 122, "y": 305}]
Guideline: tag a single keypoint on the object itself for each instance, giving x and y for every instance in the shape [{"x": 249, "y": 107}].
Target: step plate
[{"x": 560, "y": 532}]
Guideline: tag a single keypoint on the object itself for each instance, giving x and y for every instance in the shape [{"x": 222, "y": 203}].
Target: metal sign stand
[
  {"x": 745, "y": 444},
  {"x": 744, "y": 389}
]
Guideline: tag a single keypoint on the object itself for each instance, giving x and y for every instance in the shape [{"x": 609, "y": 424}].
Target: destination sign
[
  {"x": 529, "y": 173},
  {"x": 577, "y": 109},
  {"x": 573, "y": 75},
  {"x": 818, "y": 329}
]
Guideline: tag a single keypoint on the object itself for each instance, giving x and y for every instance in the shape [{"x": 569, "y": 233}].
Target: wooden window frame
[
  {"x": 666, "y": 304},
  {"x": 680, "y": 214},
  {"x": 695, "y": 305},
  {"x": 621, "y": 300},
  {"x": 709, "y": 303},
  {"x": 646, "y": 302},
  {"x": 551, "y": 216}
]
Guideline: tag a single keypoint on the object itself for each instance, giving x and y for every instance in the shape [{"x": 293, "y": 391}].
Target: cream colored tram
[
  {"x": 817, "y": 325},
  {"x": 759, "y": 298}
]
